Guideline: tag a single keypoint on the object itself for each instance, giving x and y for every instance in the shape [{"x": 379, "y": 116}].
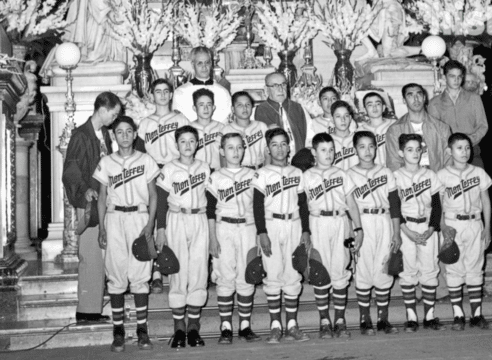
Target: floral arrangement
[
  {"x": 345, "y": 24},
  {"x": 284, "y": 25},
  {"x": 140, "y": 28},
  {"x": 28, "y": 20},
  {"x": 136, "y": 107},
  {"x": 305, "y": 92},
  {"x": 213, "y": 26},
  {"x": 455, "y": 17}
]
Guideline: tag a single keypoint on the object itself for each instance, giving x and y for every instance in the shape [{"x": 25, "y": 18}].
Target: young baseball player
[
  {"x": 253, "y": 132},
  {"x": 182, "y": 225},
  {"x": 209, "y": 131},
  {"x": 421, "y": 209},
  {"x": 156, "y": 137},
  {"x": 379, "y": 205},
  {"x": 345, "y": 156},
  {"x": 329, "y": 192},
  {"x": 324, "y": 123},
  {"x": 282, "y": 222},
  {"x": 232, "y": 236},
  {"x": 375, "y": 107},
  {"x": 465, "y": 196},
  {"x": 127, "y": 205}
]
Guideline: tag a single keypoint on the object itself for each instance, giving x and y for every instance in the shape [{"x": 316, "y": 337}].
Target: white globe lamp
[
  {"x": 434, "y": 47},
  {"x": 67, "y": 55}
]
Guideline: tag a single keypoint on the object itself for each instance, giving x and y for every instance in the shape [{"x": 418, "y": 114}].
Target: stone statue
[
  {"x": 26, "y": 102},
  {"x": 389, "y": 28}
]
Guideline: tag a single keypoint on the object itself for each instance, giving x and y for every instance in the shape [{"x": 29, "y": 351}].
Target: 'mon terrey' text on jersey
[
  {"x": 372, "y": 184},
  {"x": 415, "y": 190},
  {"x": 464, "y": 186},
  {"x": 193, "y": 181},
  {"x": 344, "y": 154},
  {"x": 229, "y": 193},
  {"x": 161, "y": 130},
  {"x": 126, "y": 175},
  {"x": 327, "y": 186},
  {"x": 207, "y": 139},
  {"x": 287, "y": 183}
]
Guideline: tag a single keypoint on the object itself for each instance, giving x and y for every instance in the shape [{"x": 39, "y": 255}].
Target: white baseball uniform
[
  {"x": 380, "y": 133},
  {"x": 235, "y": 228},
  {"x": 420, "y": 263},
  {"x": 327, "y": 192},
  {"x": 462, "y": 210},
  {"x": 371, "y": 195},
  {"x": 187, "y": 230},
  {"x": 345, "y": 156},
  {"x": 209, "y": 142},
  {"x": 281, "y": 186},
  {"x": 254, "y": 140},
  {"x": 127, "y": 182},
  {"x": 323, "y": 124}
]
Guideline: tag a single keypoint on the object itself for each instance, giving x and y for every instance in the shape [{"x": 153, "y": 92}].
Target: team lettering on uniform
[
  {"x": 208, "y": 139},
  {"x": 161, "y": 130},
  {"x": 126, "y": 175},
  {"x": 327, "y": 186},
  {"x": 254, "y": 138},
  {"x": 464, "y": 186},
  {"x": 415, "y": 190},
  {"x": 238, "y": 187},
  {"x": 370, "y": 186},
  {"x": 193, "y": 181},
  {"x": 287, "y": 183},
  {"x": 344, "y": 154},
  {"x": 380, "y": 139}
]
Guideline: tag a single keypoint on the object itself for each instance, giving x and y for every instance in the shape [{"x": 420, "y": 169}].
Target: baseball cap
[
  {"x": 90, "y": 218},
  {"x": 167, "y": 262},
  {"x": 144, "y": 250}
]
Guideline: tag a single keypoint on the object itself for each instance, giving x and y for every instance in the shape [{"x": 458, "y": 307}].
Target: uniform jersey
[
  {"x": 281, "y": 186},
  {"x": 372, "y": 187},
  {"x": 380, "y": 133},
  {"x": 185, "y": 183},
  {"x": 327, "y": 189},
  {"x": 254, "y": 141},
  {"x": 323, "y": 124},
  {"x": 462, "y": 189},
  {"x": 127, "y": 179},
  {"x": 158, "y": 135},
  {"x": 345, "y": 156},
  {"x": 233, "y": 192},
  {"x": 209, "y": 142},
  {"x": 416, "y": 191}
]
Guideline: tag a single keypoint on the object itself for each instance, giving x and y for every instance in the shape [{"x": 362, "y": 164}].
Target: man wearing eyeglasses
[
  {"x": 201, "y": 60},
  {"x": 279, "y": 111}
]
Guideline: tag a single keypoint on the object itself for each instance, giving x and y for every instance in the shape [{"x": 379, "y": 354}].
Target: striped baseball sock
[
  {"x": 141, "y": 304},
  {"x": 274, "y": 307},
  {"x": 364, "y": 300},
  {"x": 117, "y": 308},
  {"x": 429, "y": 295},
  {"x": 179, "y": 318},
  {"x": 340, "y": 302},
  {"x": 410, "y": 300},
  {"x": 245, "y": 306},
  {"x": 194, "y": 317},
  {"x": 322, "y": 296},
  {"x": 382, "y": 300},
  {"x": 226, "y": 305},
  {"x": 475, "y": 296},
  {"x": 456, "y": 295},
  {"x": 291, "y": 305}
]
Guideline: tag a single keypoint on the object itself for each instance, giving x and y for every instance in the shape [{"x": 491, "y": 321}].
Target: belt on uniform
[
  {"x": 330, "y": 213},
  {"x": 416, "y": 220},
  {"x": 254, "y": 167},
  {"x": 233, "y": 220},
  {"x": 126, "y": 208},
  {"x": 187, "y": 211},
  {"x": 374, "y": 211},
  {"x": 283, "y": 216},
  {"x": 466, "y": 217}
]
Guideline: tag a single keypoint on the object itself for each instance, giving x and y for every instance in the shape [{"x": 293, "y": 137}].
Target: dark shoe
[
  {"x": 366, "y": 328},
  {"x": 178, "y": 339},
  {"x": 341, "y": 331},
  {"x": 144, "y": 342},
  {"x": 385, "y": 325},
  {"x": 225, "y": 337},
  {"x": 91, "y": 318},
  {"x": 194, "y": 338},
  {"x": 248, "y": 335},
  {"x": 156, "y": 286},
  {"x": 411, "y": 326},
  {"x": 118, "y": 344},
  {"x": 326, "y": 331},
  {"x": 434, "y": 324},
  {"x": 458, "y": 323},
  {"x": 480, "y": 322},
  {"x": 275, "y": 336},
  {"x": 296, "y": 334}
]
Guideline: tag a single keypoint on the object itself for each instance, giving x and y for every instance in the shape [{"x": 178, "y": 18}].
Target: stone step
[{"x": 48, "y": 284}]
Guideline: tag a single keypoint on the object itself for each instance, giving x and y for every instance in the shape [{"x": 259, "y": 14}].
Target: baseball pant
[
  {"x": 187, "y": 236},
  {"x": 420, "y": 263},
  {"x": 90, "y": 288},
  {"x": 230, "y": 267},
  {"x": 285, "y": 236},
  {"x": 374, "y": 252},
  {"x": 468, "y": 269},
  {"x": 327, "y": 236},
  {"x": 122, "y": 228}
]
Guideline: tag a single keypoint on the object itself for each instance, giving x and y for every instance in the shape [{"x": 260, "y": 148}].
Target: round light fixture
[
  {"x": 67, "y": 55},
  {"x": 433, "y": 47}
]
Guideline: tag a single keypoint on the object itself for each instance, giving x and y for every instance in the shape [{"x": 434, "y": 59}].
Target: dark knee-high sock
[
  {"x": 322, "y": 296},
  {"x": 291, "y": 305},
  {"x": 475, "y": 296},
  {"x": 410, "y": 300},
  {"x": 364, "y": 300},
  {"x": 179, "y": 318},
  {"x": 226, "y": 305},
  {"x": 382, "y": 300},
  {"x": 339, "y": 302},
  {"x": 274, "y": 307},
  {"x": 194, "y": 317},
  {"x": 429, "y": 295},
  {"x": 245, "y": 307},
  {"x": 117, "y": 308},
  {"x": 141, "y": 305},
  {"x": 456, "y": 295}
]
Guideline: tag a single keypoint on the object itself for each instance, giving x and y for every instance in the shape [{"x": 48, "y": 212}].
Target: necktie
[{"x": 195, "y": 81}]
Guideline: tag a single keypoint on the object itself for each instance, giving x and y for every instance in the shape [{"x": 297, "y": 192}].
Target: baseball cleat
[
  {"x": 157, "y": 287},
  {"x": 434, "y": 324},
  {"x": 248, "y": 335},
  {"x": 341, "y": 331},
  {"x": 366, "y": 328},
  {"x": 225, "y": 337},
  {"x": 194, "y": 338},
  {"x": 118, "y": 344},
  {"x": 411, "y": 326},
  {"x": 296, "y": 334},
  {"x": 178, "y": 339},
  {"x": 326, "y": 331},
  {"x": 458, "y": 323},
  {"x": 144, "y": 342},
  {"x": 479, "y": 322},
  {"x": 275, "y": 336},
  {"x": 385, "y": 325}
]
